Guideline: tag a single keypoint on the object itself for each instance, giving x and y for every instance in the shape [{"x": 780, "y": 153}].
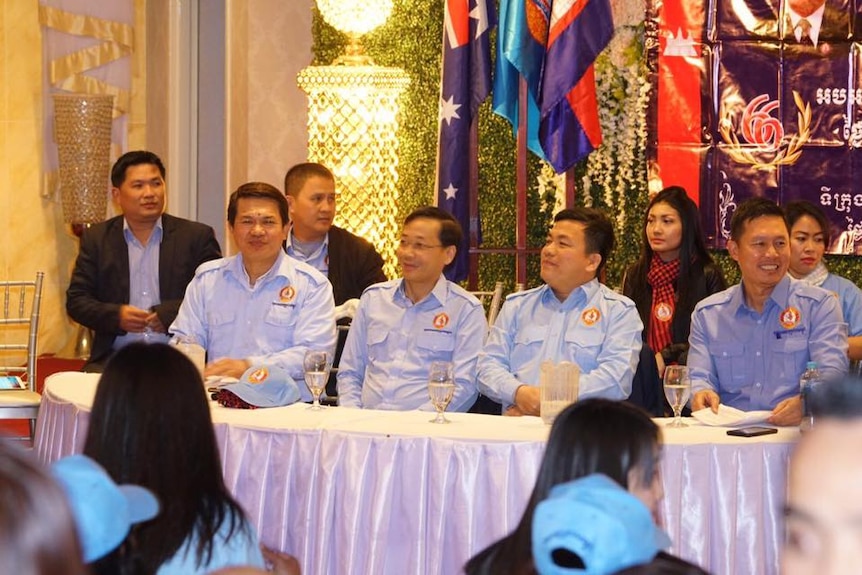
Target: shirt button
[
  {"x": 757, "y": 354},
  {"x": 757, "y": 384},
  {"x": 760, "y": 321}
]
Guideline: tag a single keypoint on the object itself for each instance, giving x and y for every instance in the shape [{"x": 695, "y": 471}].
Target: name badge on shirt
[
  {"x": 796, "y": 332},
  {"x": 286, "y": 296},
  {"x": 789, "y": 318},
  {"x": 591, "y": 316}
]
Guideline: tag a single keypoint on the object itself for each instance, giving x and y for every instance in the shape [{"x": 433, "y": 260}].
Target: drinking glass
[
  {"x": 441, "y": 388},
  {"x": 677, "y": 389},
  {"x": 316, "y": 365}
]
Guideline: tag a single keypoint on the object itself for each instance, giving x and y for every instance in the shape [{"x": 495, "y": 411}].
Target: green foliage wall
[{"x": 614, "y": 178}]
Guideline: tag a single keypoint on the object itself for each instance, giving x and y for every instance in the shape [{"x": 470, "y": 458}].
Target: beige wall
[
  {"x": 32, "y": 234},
  {"x": 271, "y": 42}
]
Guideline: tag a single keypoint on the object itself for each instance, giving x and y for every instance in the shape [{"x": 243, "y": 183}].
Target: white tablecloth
[{"x": 364, "y": 491}]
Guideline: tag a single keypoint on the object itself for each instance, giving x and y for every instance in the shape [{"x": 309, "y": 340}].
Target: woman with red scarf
[{"x": 673, "y": 273}]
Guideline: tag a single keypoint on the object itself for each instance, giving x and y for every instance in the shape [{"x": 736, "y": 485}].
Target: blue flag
[
  {"x": 553, "y": 45},
  {"x": 465, "y": 83}
]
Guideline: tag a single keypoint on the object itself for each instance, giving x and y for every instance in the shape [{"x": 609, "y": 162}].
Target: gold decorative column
[
  {"x": 353, "y": 125},
  {"x": 82, "y": 132}
]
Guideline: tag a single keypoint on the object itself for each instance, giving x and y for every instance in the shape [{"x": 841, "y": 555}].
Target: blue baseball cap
[
  {"x": 265, "y": 386},
  {"x": 103, "y": 511},
  {"x": 599, "y": 527}
]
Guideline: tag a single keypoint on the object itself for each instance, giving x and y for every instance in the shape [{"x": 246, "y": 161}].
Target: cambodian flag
[
  {"x": 553, "y": 45},
  {"x": 465, "y": 83}
]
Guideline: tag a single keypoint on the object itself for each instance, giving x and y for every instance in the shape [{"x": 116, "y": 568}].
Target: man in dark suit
[
  {"x": 132, "y": 270},
  {"x": 350, "y": 262}
]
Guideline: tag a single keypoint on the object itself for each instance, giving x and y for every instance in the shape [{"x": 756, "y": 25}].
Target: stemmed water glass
[
  {"x": 316, "y": 365},
  {"x": 441, "y": 388},
  {"x": 677, "y": 389}
]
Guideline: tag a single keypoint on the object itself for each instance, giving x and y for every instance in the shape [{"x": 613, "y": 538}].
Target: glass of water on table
[
  {"x": 316, "y": 365},
  {"x": 677, "y": 390},
  {"x": 441, "y": 388}
]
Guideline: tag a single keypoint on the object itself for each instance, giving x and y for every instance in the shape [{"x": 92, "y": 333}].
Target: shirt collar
[
  {"x": 289, "y": 241},
  {"x": 439, "y": 292},
  {"x": 579, "y": 296},
  {"x": 815, "y": 20},
  {"x": 281, "y": 268},
  {"x": 155, "y": 235},
  {"x": 779, "y": 295}
]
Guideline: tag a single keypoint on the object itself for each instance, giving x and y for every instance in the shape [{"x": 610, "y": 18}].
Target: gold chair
[
  {"x": 21, "y": 301},
  {"x": 492, "y": 300}
]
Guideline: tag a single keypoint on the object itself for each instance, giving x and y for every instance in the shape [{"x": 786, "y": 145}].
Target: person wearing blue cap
[
  {"x": 37, "y": 529},
  {"x": 595, "y": 527},
  {"x": 150, "y": 425},
  {"x": 591, "y": 436},
  {"x": 104, "y": 511}
]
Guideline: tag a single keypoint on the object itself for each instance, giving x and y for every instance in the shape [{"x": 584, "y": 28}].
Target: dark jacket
[
  {"x": 354, "y": 265},
  {"x": 100, "y": 280},
  {"x": 707, "y": 281}
]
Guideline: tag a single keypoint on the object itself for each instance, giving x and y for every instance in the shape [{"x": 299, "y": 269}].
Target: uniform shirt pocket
[
  {"x": 527, "y": 344},
  {"x": 584, "y": 348},
  {"x": 279, "y": 325},
  {"x": 436, "y": 345},
  {"x": 729, "y": 361}
]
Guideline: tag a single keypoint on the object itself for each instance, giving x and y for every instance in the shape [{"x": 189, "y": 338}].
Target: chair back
[
  {"x": 491, "y": 300},
  {"x": 21, "y": 303}
]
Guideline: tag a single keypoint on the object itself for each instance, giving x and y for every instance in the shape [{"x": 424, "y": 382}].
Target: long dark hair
[
  {"x": 37, "y": 530},
  {"x": 590, "y": 436},
  {"x": 693, "y": 255},
  {"x": 150, "y": 425}
]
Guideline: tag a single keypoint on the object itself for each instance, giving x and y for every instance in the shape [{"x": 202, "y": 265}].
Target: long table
[{"x": 365, "y": 491}]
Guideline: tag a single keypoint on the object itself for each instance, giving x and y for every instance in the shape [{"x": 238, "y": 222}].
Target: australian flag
[
  {"x": 553, "y": 45},
  {"x": 465, "y": 83}
]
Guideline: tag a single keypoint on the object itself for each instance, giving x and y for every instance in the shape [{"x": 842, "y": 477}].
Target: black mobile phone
[{"x": 751, "y": 431}]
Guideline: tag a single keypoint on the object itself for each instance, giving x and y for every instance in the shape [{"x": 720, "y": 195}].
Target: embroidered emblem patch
[
  {"x": 259, "y": 375},
  {"x": 441, "y": 320},
  {"x": 591, "y": 316},
  {"x": 286, "y": 294},
  {"x": 789, "y": 318}
]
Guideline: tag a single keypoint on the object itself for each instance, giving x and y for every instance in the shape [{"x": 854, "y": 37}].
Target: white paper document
[{"x": 730, "y": 416}]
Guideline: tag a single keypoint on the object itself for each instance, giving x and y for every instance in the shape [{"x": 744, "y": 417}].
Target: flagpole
[
  {"x": 570, "y": 187},
  {"x": 473, "y": 274},
  {"x": 521, "y": 187}
]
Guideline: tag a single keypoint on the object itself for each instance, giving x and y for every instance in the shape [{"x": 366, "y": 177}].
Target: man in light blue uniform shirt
[
  {"x": 750, "y": 343},
  {"x": 402, "y": 325},
  {"x": 260, "y": 306},
  {"x": 572, "y": 318}
]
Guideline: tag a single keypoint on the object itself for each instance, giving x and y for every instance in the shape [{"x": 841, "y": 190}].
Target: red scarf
[{"x": 661, "y": 276}]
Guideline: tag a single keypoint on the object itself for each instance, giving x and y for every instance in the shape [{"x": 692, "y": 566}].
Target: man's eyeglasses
[{"x": 417, "y": 246}]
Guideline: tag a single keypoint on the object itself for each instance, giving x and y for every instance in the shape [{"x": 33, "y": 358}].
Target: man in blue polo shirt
[
  {"x": 750, "y": 343},
  {"x": 402, "y": 325},
  {"x": 572, "y": 318}
]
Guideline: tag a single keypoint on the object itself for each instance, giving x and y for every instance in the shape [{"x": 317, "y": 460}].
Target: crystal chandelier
[{"x": 353, "y": 124}]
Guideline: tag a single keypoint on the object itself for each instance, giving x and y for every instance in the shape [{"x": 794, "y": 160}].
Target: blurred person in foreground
[
  {"x": 596, "y": 435},
  {"x": 150, "y": 425},
  {"x": 823, "y": 516},
  {"x": 37, "y": 528}
]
